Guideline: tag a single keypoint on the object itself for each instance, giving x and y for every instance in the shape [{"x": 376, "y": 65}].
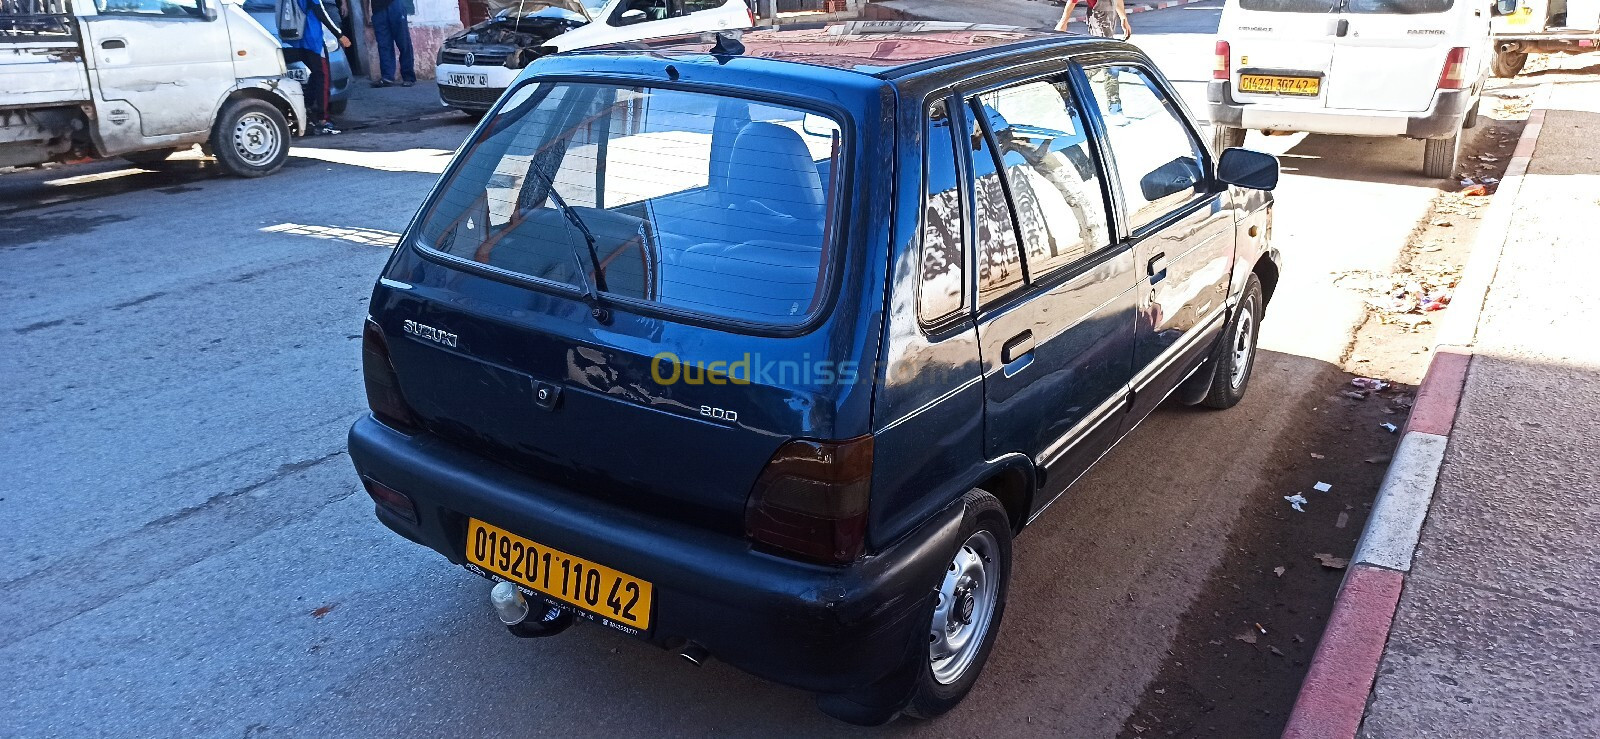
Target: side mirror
[
  {"x": 1246, "y": 168},
  {"x": 1505, "y": 7},
  {"x": 1178, "y": 175},
  {"x": 630, "y": 17},
  {"x": 208, "y": 9}
]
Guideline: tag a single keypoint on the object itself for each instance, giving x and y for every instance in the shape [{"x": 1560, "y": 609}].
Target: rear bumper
[
  {"x": 818, "y": 628},
  {"x": 1442, "y": 118}
]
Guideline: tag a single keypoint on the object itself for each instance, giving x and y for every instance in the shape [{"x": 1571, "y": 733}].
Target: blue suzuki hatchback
[{"x": 765, "y": 351}]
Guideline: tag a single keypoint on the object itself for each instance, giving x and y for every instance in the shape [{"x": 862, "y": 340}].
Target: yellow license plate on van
[
  {"x": 1271, "y": 84},
  {"x": 589, "y": 586}
]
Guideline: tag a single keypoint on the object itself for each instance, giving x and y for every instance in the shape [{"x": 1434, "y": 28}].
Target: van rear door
[
  {"x": 1392, "y": 52},
  {"x": 1280, "y": 51}
]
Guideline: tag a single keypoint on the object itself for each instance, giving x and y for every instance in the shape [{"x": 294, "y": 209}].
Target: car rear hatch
[
  {"x": 1391, "y": 54},
  {"x": 660, "y": 365},
  {"x": 1281, "y": 51}
]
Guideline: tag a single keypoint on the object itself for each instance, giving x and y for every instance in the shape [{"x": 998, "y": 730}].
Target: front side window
[
  {"x": 1054, "y": 180},
  {"x": 160, "y": 8},
  {"x": 941, "y": 291},
  {"x": 1159, "y": 164},
  {"x": 699, "y": 202}
]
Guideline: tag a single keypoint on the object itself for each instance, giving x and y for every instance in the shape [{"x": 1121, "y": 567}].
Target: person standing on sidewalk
[
  {"x": 308, "y": 50},
  {"x": 1101, "y": 17},
  {"x": 389, "y": 25}
]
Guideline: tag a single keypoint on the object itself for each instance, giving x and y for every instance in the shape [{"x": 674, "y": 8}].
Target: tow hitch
[{"x": 524, "y": 619}]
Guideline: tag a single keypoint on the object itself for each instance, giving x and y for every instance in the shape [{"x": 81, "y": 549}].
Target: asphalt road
[{"x": 188, "y": 551}]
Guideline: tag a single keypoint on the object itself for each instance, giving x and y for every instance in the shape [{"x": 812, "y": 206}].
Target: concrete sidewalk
[{"x": 1498, "y": 628}]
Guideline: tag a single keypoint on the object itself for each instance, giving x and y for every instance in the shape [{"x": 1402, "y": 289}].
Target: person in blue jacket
[{"x": 308, "y": 50}]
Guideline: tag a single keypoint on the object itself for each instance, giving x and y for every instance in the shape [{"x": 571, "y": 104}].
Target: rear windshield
[
  {"x": 1375, "y": 7},
  {"x": 704, "y": 203}
]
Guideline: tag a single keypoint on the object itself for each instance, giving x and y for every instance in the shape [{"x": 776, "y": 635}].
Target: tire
[
  {"x": 251, "y": 138},
  {"x": 155, "y": 159},
  {"x": 1508, "y": 63},
  {"x": 1235, "y": 354},
  {"x": 984, "y": 556},
  {"x": 1439, "y": 156},
  {"x": 338, "y": 107},
  {"x": 1226, "y": 137}
]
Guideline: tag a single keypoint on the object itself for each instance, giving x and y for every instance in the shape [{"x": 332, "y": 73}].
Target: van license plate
[
  {"x": 616, "y": 598},
  {"x": 1271, "y": 84},
  {"x": 459, "y": 79}
]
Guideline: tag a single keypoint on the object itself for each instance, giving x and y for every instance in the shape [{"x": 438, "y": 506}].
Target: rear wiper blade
[{"x": 591, "y": 290}]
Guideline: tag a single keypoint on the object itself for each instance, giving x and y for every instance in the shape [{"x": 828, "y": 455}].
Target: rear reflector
[
  {"x": 1222, "y": 67},
  {"x": 1454, "y": 76},
  {"x": 811, "y": 500},
  {"x": 389, "y": 498},
  {"x": 383, "y": 385}
]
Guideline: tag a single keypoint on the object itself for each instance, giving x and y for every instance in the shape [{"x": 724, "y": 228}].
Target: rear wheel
[
  {"x": 968, "y": 604},
  {"x": 1235, "y": 354},
  {"x": 1439, "y": 156},
  {"x": 251, "y": 138},
  {"x": 1508, "y": 63},
  {"x": 1226, "y": 137}
]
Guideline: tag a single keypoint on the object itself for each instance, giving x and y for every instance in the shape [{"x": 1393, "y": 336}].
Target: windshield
[
  {"x": 704, "y": 203},
  {"x": 1373, "y": 7}
]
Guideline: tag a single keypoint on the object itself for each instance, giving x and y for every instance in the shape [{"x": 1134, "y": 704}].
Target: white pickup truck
[
  {"x": 1550, "y": 26},
  {"x": 142, "y": 79}
]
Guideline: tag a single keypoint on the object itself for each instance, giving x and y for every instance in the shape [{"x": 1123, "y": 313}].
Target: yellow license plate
[
  {"x": 615, "y": 597},
  {"x": 1271, "y": 84}
]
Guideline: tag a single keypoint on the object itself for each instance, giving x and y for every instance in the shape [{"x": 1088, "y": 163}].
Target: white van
[
  {"x": 1411, "y": 68},
  {"x": 477, "y": 64}
]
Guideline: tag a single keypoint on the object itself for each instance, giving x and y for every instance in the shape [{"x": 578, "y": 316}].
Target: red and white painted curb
[{"x": 1333, "y": 698}]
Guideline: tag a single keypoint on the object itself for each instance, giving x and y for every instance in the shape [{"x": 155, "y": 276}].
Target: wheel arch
[
  {"x": 296, "y": 124},
  {"x": 1012, "y": 480},
  {"x": 1266, "y": 270}
]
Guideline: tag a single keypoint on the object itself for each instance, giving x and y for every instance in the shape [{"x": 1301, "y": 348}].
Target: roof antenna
[{"x": 728, "y": 44}]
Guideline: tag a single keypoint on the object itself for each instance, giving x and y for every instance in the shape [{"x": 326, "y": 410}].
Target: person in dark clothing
[
  {"x": 389, "y": 25},
  {"x": 308, "y": 50}
]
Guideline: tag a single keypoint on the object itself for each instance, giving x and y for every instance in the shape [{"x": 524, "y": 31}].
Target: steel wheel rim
[
  {"x": 1243, "y": 342},
  {"x": 966, "y": 604},
  {"x": 255, "y": 139}
]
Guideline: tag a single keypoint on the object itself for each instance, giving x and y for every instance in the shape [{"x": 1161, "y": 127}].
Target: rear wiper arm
[{"x": 599, "y": 286}]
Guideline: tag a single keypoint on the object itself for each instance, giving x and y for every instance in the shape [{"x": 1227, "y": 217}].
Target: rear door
[
  {"x": 1280, "y": 51},
  {"x": 1055, "y": 292},
  {"x": 1391, "y": 52},
  {"x": 166, "y": 58}
]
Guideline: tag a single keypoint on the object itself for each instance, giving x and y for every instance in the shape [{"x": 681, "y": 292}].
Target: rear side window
[
  {"x": 1054, "y": 180},
  {"x": 942, "y": 291},
  {"x": 704, "y": 203},
  {"x": 999, "y": 258}
]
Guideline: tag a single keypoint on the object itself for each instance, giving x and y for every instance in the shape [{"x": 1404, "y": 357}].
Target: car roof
[{"x": 882, "y": 49}]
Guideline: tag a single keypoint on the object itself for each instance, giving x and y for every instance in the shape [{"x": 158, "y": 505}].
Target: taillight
[
  {"x": 383, "y": 385},
  {"x": 811, "y": 500},
  {"x": 390, "y": 498},
  {"x": 1222, "y": 67},
  {"x": 1454, "y": 76}
]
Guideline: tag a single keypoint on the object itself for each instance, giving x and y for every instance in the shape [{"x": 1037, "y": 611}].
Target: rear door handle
[
  {"x": 1157, "y": 267},
  {"x": 113, "y": 43},
  {"x": 1018, "y": 347}
]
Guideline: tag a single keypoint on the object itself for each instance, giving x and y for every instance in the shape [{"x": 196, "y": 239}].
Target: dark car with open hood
[{"x": 765, "y": 349}]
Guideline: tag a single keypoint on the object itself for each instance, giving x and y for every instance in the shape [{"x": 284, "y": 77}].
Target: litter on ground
[
  {"x": 1296, "y": 501},
  {"x": 1322, "y": 487}
]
